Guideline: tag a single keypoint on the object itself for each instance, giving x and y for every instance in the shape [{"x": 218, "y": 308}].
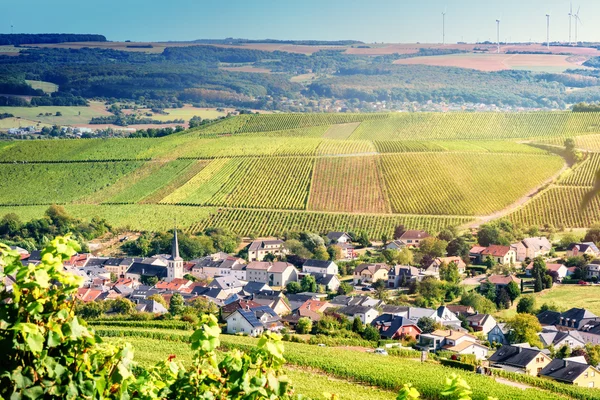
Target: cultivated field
[
  {"x": 47, "y": 87},
  {"x": 70, "y": 115},
  {"x": 264, "y": 174},
  {"x": 499, "y": 62}
]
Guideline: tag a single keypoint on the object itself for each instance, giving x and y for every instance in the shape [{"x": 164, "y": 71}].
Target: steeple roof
[{"x": 175, "y": 247}]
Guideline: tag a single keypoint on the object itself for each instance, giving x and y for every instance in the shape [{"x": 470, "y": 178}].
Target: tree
[
  {"x": 538, "y": 272},
  {"x": 304, "y": 326},
  {"x": 449, "y": 272},
  {"x": 447, "y": 234},
  {"x": 399, "y": 231},
  {"x": 296, "y": 247},
  {"x": 524, "y": 328},
  {"x": 481, "y": 304},
  {"x": 311, "y": 241},
  {"x": 90, "y": 310},
  {"x": 190, "y": 277},
  {"x": 159, "y": 299},
  {"x": 513, "y": 291},
  {"x": 321, "y": 253},
  {"x": 459, "y": 247},
  {"x": 204, "y": 306},
  {"x": 488, "y": 290},
  {"x": 503, "y": 299},
  {"x": 489, "y": 262},
  {"x": 293, "y": 287},
  {"x": 526, "y": 305},
  {"x": 363, "y": 239},
  {"x": 357, "y": 325},
  {"x": 432, "y": 290},
  {"x": 563, "y": 352},
  {"x": 177, "y": 304},
  {"x": 371, "y": 333},
  {"x": 335, "y": 252},
  {"x": 122, "y": 306},
  {"x": 567, "y": 239},
  {"x": 488, "y": 234},
  {"x": 548, "y": 282},
  {"x": 309, "y": 284},
  {"x": 345, "y": 288},
  {"x": 593, "y": 234},
  {"x": 427, "y": 325},
  {"x": 433, "y": 247}
]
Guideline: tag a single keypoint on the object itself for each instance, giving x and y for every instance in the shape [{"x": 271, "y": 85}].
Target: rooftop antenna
[
  {"x": 577, "y": 20},
  {"x": 548, "y": 30},
  {"x": 444, "y": 26},
  {"x": 12, "y": 28},
  {"x": 498, "y": 33},
  {"x": 570, "y": 20}
]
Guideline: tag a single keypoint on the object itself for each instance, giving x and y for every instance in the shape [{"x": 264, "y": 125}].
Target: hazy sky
[{"x": 366, "y": 20}]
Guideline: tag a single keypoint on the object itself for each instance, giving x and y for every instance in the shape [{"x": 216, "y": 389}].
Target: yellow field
[{"x": 47, "y": 87}]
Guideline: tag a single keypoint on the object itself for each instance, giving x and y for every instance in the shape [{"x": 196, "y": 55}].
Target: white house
[
  {"x": 253, "y": 321},
  {"x": 314, "y": 267},
  {"x": 532, "y": 248},
  {"x": 258, "y": 249},
  {"x": 339, "y": 237},
  {"x": 365, "y": 313},
  {"x": 281, "y": 273},
  {"x": 560, "y": 269}
]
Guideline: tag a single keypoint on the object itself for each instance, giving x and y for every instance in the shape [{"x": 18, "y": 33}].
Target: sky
[{"x": 398, "y": 21}]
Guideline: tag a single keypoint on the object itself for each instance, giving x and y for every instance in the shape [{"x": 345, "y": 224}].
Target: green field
[
  {"x": 568, "y": 296},
  {"x": 70, "y": 115},
  {"x": 187, "y": 112},
  {"x": 47, "y": 87},
  {"x": 264, "y": 174}
]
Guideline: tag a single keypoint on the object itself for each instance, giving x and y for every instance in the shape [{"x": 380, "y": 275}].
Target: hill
[{"x": 264, "y": 174}]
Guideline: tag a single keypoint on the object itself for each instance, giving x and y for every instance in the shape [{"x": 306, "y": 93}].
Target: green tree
[
  {"x": 538, "y": 272},
  {"x": 345, "y": 288},
  {"x": 363, "y": 239},
  {"x": 304, "y": 326},
  {"x": 122, "y": 306},
  {"x": 480, "y": 303},
  {"x": 321, "y": 253},
  {"x": 433, "y": 247},
  {"x": 593, "y": 234},
  {"x": 488, "y": 290},
  {"x": 524, "y": 328},
  {"x": 159, "y": 299},
  {"x": 513, "y": 291},
  {"x": 357, "y": 325},
  {"x": 293, "y": 287},
  {"x": 427, "y": 325},
  {"x": 203, "y": 306},
  {"x": 563, "y": 352},
  {"x": 449, "y": 272},
  {"x": 432, "y": 290},
  {"x": 309, "y": 284},
  {"x": 296, "y": 247},
  {"x": 334, "y": 252},
  {"x": 90, "y": 310},
  {"x": 459, "y": 247},
  {"x": 177, "y": 304},
  {"x": 548, "y": 282},
  {"x": 526, "y": 305},
  {"x": 371, "y": 333},
  {"x": 567, "y": 239},
  {"x": 503, "y": 299}
]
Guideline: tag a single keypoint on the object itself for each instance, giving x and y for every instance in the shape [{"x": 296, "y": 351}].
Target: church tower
[{"x": 175, "y": 263}]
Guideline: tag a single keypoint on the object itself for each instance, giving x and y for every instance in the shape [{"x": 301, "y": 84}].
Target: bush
[{"x": 458, "y": 364}]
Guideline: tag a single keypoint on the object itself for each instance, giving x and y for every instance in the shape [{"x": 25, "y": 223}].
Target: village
[{"x": 372, "y": 303}]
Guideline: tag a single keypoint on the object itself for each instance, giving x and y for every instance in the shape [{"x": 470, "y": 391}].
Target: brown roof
[
  {"x": 87, "y": 294},
  {"x": 477, "y": 249},
  {"x": 456, "y": 308},
  {"x": 496, "y": 251},
  {"x": 371, "y": 267},
  {"x": 503, "y": 280},
  {"x": 279, "y": 267},
  {"x": 259, "y": 265},
  {"x": 450, "y": 334},
  {"x": 462, "y": 346},
  {"x": 414, "y": 234},
  {"x": 551, "y": 267},
  {"x": 243, "y": 304}
]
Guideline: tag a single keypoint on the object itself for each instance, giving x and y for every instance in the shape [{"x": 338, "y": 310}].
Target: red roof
[
  {"x": 86, "y": 294},
  {"x": 477, "y": 249},
  {"x": 551, "y": 267},
  {"x": 414, "y": 234},
  {"x": 177, "y": 284},
  {"x": 496, "y": 251},
  {"x": 503, "y": 280}
]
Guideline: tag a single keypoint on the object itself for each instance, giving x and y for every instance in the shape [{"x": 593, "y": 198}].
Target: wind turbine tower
[
  {"x": 498, "y": 33},
  {"x": 570, "y": 20},
  {"x": 548, "y": 30},
  {"x": 577, "y": 21},
  {"x": 444, "y": 27}
]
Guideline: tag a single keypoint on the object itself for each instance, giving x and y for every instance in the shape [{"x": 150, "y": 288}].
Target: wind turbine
[
  {"x": 548, "y": 30},
  {"x": 577, "y": 20},
  {"x": 444, "y": 26},
  {"x": 498, "y": 33},
  {"x": 570, "y": 20}
]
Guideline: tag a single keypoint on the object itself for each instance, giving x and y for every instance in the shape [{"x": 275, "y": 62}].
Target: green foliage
[
  {"x": 293, "y": 287},
  {"x": 304, "y": 325},
  {"x": 526, "y": 305},
  {"x": 309, "y": 284},
  {"x": 177, "y": 304},
  {"x": 480, "y": 303},
  {"x": 524, "y": 328}
]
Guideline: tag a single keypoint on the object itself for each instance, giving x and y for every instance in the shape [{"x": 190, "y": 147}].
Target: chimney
[{"x": 520, "y": 349}]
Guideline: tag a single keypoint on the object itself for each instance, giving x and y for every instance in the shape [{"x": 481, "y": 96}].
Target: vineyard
[
  {"x": 269, "y": 223},
  {"x": 347, "y": 184},
  {"x": 584, "y": 174},
  {"x": 462, "y": 184}
]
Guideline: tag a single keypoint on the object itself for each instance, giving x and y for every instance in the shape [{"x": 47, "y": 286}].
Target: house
[
  {"x": 413, "y": 238},
  {"x": 176, "y": 285},
  {"x": 119, "y": 266},
  {"x": 455, "y": 341},
  {"x": 501, "y": 281},
  {"x": 274, "y": 300},
  {"x": 498, "y": 334},
  {"x": 500, "y": 254},
  {"x": 558, "y": 338},
  {"x": 475, "y": 254},
  {"x": 576, "y": 318},
  {"x": 481, "y": 322},
  {"x": 434, "y": 267},
  {"x": 365, "y": 313},
  {"x": 531, "y": 248},
  {"x": 524, "y": 360},
  {"x": 258, "y": 271},
  {"x": 138, "y": 270},
  {"x": 258, "y": 249},
  {"x": 347, "y": 251},
  {"x": 560, "y": 269},
  {"x": 400, "y": 275},
  {"x": 396, "y": 245},
  {"x": 457, "y": 309},
  {"x": 338, "y": 238},
  {"x": 252, "y": 288},
  {"x": 548, "y": 318},
  {"x": 230, "y": 308},
  {"x": 571, "y": 372},
  {"x": 87, "y": 294},
  {"x": 23, "y": 254},
  {"x": 150, "y": 306},
  {"x": 590, "y": 332},
  {"x": 253, "y": 321},
  {"x": 394, "y": 327},
  {"x": 356, "y": 301},
  {"x": 330, "y": 282},
  {"x": 314, "y": 267},
  {"x": 371, "y": 273},
  {"x": 581, "y": 249},
  {"x": 281, "y": 273},
  {"x": 311, "y": 309},
  {"x": 228, "y": 284}
]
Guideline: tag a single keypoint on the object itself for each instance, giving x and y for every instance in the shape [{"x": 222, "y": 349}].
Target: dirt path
[{"x": 507, "y": 210}]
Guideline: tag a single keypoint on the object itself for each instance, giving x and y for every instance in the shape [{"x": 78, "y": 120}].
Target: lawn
[
  {"x": 569, "y": 296},
  {"x": 70, "y": 115},
  {"x": 187, "y": 112},
  {"x": 47, "y": 87}
]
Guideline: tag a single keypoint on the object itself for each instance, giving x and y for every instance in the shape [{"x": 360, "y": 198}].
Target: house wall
[
  {"x": 479, "y": 352},
  {"x": 537, "y": 364},
  {"x": 236, "y": 324},
  {"x": 590, "y": 337},
  {"x": 590, "y": 378},
  {"x": 496, "y": 335},
  {"x": 254, "y": 275},
  {"x": 239, "y": 274},
  {"x": 333, "y": 285}
]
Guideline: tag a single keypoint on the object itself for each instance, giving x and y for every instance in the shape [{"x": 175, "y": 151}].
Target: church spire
[{"x": 175, "y": 246}]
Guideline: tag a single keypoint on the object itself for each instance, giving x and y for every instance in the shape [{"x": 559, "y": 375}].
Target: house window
[{"x": 539, "y": 370}]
